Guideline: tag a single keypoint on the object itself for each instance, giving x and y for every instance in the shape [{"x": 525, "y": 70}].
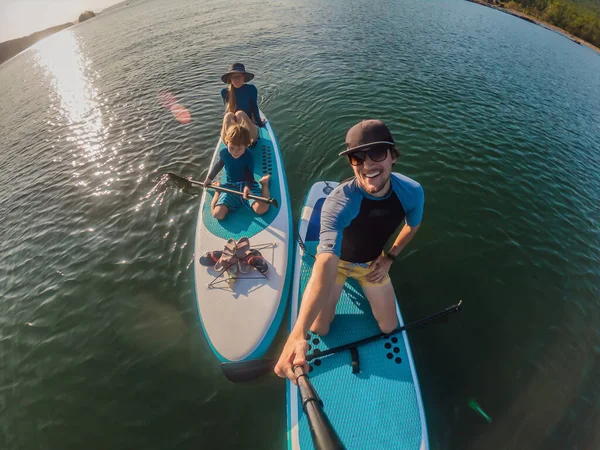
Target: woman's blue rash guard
[
  {"x": 237, "y": 170},
  {"x": 355, "y": 225},
  {"x": 246, "y": 99}
]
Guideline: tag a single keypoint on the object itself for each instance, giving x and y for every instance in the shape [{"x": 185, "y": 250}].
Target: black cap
[{"x": 366, "y": 134}]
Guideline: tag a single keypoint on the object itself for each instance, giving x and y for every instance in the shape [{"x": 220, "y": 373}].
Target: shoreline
[
  {"x": 537, "y": 21},
  {"x": 13, "y": 47}
]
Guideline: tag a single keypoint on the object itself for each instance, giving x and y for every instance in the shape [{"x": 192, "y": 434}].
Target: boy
[{"x": 239, "y": 170}]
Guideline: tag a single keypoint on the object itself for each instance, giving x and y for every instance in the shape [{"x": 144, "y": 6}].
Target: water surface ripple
[{"x": 100, "y": 342}]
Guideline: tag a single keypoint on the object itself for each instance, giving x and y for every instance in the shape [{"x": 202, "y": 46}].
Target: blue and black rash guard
[
  {"x": 246, "y": 99},
  {"x": 237, "y": 170},
  {"x": 355, "y": 225}
]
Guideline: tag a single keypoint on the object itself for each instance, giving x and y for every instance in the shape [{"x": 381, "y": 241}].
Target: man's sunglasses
[{"x": 375, "y": 154}]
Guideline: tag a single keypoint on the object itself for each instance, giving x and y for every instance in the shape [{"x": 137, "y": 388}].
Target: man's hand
[
  {"x": 293, "y": 354},
  {"x": 246, "y": 192},
  {"x": 381, "y": 267},
  {"x": 207, "y": 182},
  {"x": 317, "y": 293}
]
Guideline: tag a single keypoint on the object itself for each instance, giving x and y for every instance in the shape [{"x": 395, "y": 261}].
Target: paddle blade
[
  {"x": 180, "y": 182},
  {"x": 275, "y": 203},
  {"x": 243, "y": 371}
]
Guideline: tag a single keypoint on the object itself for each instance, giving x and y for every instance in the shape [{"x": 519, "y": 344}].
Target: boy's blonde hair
[{"x": 237, "y": 135}]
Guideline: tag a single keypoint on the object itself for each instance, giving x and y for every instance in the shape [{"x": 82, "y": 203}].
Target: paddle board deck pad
[
  {"x": 240, "y": 318},
  {"x": 380, "y": 407}
]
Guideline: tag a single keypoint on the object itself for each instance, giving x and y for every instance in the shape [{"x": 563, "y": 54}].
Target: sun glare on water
[{"x": 77, "y": 103}]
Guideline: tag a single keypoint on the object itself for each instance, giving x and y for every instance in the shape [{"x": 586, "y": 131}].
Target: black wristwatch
[{"x": 391, "y": 257}]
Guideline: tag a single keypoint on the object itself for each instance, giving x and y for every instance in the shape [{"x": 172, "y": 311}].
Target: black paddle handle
[
  {"x": 270, "y": 201},
  {"x": 323, "y": 434},
  {"x": 351, "y": 345}
]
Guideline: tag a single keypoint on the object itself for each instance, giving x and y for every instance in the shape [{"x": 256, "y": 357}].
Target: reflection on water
[
  {"x": 77, "y": 102},
  {"x": 97, "y": 301}
]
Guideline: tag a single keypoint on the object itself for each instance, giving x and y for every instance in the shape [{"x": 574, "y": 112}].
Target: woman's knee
[
  {"x": 229, "y": 117},
  {"x": 241, "y": 115}
]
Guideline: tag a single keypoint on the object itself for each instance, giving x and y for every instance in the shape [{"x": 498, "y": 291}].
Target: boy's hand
[{"x": 246, "y": 192}]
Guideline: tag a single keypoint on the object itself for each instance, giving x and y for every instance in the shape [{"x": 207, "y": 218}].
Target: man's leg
[
  {"x": 383, "y": 304},
  {"x": 321, "y": 324}
]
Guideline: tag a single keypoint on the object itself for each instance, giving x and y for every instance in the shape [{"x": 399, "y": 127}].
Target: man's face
[{"x": 374, "y": 176}]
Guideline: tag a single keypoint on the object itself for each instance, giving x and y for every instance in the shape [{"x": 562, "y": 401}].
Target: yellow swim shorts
[{"x": 358, "y": 271}]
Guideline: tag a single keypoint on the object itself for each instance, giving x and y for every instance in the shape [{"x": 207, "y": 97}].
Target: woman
[{"x": 241, "y": 101}]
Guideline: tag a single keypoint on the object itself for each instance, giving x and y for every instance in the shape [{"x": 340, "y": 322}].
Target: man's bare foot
[{"x": 264, "y": 181}]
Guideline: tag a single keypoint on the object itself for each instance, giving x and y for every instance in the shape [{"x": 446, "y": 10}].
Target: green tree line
[{"x": 577, "y": 20}]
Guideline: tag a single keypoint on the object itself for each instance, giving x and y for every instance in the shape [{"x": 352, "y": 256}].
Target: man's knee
[
  {"x": 387, "y": 326},
  {"x": 320, "y": 328},
  {"x": 239, "y": 115}
]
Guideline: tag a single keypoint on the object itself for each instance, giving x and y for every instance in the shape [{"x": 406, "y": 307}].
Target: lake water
[{"x": 498, "y": 119}]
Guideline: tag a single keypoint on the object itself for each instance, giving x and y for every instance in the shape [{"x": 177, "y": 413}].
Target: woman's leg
[
  {"x": 228, "y": 119},
  {"x": 242, "y": 118}
]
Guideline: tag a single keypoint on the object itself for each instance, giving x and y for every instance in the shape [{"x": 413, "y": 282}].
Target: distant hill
[
  {"x": 13, "y": 47},
  {"x": 581, "y": 18},
  {"x": 86, "y": 15},
  {"x": 592, "y": 5}
]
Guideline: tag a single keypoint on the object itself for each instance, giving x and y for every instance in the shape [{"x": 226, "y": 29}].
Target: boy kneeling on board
[{"x": 239, "y": 170}]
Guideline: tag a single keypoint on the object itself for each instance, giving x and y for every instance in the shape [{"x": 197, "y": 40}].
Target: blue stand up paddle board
[{"x": 380, "y": 406}]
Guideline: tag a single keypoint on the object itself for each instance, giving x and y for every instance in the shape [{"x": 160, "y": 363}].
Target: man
[{"x": 357, "y": 219}]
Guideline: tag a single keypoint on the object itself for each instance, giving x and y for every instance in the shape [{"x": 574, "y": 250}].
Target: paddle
[
  {"x": 186, "y": 183},
  {"x": 323, "y": 434},
  {"x": 251, "y": 370}
]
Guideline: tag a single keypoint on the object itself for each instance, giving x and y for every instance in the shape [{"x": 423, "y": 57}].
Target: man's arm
[
  {"x": 406, "y": 234},
  {"x": 381, "y": 266},
  {"x": 318, "y": 291}
]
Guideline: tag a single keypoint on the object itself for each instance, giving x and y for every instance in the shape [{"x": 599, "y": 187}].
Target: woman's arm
[{"x": 254, "y": 106}]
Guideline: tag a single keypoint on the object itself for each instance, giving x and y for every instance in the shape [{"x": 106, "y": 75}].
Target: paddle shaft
[
  {"x": 451, "y": 309},
  {"x": 231, "y": 191},
  {"x": 243, "y": 371},
  {"x": 323, "y": 434}
]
